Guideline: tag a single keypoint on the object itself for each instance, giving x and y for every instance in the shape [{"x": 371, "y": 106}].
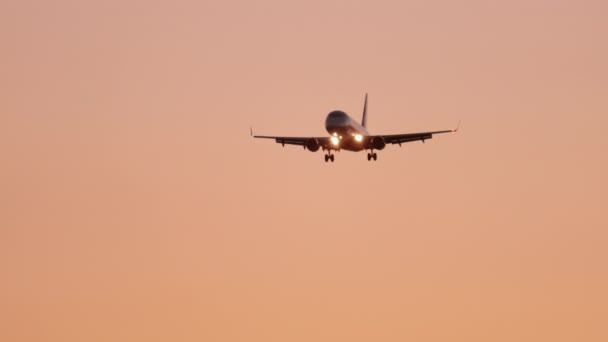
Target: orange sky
[{"x": 134, "y": 206}]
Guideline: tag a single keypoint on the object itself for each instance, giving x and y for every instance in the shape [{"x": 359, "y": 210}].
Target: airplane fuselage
[{"x": 348, "y": 131}]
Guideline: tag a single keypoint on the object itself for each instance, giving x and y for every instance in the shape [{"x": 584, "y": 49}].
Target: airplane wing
[
  {"x": 300, "y": 141},
  {"x": 409, "y": 137}
]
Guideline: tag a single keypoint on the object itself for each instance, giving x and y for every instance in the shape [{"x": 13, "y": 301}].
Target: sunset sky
[{"x": 134, "y": 205}]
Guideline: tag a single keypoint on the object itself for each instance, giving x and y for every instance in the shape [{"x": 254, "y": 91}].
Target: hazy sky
[{"x": 134, "y": 206}]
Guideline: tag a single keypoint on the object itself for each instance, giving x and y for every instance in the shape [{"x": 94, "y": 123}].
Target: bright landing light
[
  {"x": 335, "y": 140},
  {"x": 358, "y": 137}
]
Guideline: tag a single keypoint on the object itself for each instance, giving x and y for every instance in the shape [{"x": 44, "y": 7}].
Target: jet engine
[
  {"x": 312, "y": 145},
  {"x": 378, "y": 143}
]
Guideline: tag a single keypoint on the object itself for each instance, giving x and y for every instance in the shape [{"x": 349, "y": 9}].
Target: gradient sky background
[{"x": 134, "y": 206}]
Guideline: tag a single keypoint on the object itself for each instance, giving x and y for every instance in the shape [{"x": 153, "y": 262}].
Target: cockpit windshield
[{"x": 337, "y": 114}]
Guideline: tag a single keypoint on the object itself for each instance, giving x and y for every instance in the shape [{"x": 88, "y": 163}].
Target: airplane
[{"x": 345, "y": 133}]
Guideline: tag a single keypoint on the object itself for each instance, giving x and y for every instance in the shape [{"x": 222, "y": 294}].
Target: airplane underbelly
[
  {"x": 351, "y": 144},
  {"x": 352, "y": 147}
]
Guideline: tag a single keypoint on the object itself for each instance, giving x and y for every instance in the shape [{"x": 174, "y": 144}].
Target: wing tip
[{"x": 457, "y": 127}]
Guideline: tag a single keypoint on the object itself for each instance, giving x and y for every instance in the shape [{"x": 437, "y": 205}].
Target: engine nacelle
[
  {"x": 378, "y": 143},
  {"x": 312, "y": 145}
]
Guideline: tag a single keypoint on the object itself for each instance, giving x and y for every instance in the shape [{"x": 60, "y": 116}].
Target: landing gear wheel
[
  {"x": 375, "y": 156},
  {"x": 331, "y": 158},
  {"x": 369, "y": 156},
  {"x": 326, "y": 158}
]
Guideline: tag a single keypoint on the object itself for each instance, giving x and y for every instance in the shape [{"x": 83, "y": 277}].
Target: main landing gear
[
  {"x": 372, "y": 155},
  {"x": 329, "y": 157}
]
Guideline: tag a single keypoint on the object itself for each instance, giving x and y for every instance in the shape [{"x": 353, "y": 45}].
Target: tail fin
[{"x": 364, "y": 119}]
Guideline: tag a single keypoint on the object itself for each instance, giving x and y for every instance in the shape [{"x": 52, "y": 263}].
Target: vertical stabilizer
[{"x": 364, "y": 119}]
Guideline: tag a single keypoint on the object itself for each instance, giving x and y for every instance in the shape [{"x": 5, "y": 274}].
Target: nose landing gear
[{"x": 371, "y": 156}]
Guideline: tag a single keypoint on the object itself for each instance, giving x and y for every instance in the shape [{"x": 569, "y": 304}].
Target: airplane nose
[
  {"x": 333, "y": 121},
  {"x": 336, "y": 117}
]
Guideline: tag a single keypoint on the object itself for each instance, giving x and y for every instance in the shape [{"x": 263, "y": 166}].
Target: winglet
[
  {"x": 251, "y": 130},
  {"x": 364, "y": 119},
  {"x": 457, "y": 127}
]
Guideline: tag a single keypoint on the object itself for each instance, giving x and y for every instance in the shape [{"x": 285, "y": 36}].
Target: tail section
[{"x": 364, "y": 119}]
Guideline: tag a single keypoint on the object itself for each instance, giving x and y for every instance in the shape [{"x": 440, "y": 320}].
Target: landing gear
[
  {"x": 329, "y": 157},
  {"x": 371, "y": 156}
]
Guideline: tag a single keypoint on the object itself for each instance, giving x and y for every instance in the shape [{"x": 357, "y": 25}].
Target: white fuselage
[{"x": 349, "y": 132}]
